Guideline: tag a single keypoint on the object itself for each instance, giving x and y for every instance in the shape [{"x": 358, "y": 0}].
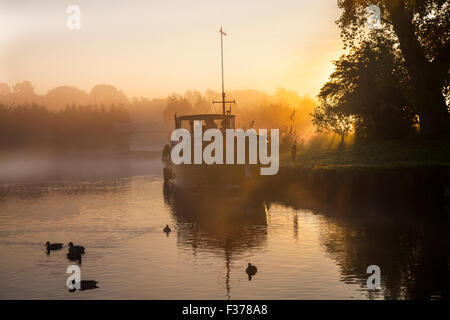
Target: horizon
[{"x": 204, "y": 92}]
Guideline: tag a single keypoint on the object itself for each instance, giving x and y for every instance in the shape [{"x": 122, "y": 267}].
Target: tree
[
  {"x": 176, "y": 104},
  {"x": 328, "y": 119},
  {"x": 197, "y": 101},
  {"x": 368, "y": 92},
  {"x": 107, "y": 94},
  {"x": 24, "y": 88},
  {"x": 420, "y": 28},
  {"x": 59, "y": 96},
  {"x": 4, "y": 89}
]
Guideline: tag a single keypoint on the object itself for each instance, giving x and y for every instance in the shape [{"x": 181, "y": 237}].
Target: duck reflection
[{"x": 224, "y": 224}]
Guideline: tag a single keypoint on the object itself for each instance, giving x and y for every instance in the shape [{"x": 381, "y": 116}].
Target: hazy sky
[{"x": 153, "y": 48}]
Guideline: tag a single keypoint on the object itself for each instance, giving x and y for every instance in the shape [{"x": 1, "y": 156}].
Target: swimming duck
[
  {"x": 167, "y": 229},
  {"x": 75, "y": 249},
  {"x": 88, "y": 284},
  {"x": 251, "y": 271},
  {"x": 53, "y": 246},
  {"x": 74, "y": 256},
  {"x": 85, "y": 285}
]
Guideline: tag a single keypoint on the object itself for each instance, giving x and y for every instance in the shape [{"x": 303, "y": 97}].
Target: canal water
[{"x": 299, "y": 253}]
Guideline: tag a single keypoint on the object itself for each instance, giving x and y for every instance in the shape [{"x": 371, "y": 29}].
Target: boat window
[{"x": 206, "y": 124}]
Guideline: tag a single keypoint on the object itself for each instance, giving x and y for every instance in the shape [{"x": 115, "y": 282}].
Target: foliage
[
  {"x": 420, "y": 30},
  {"x": 75, "y": 128},
  {"x": 369, "y": 90},
  {"x": 331, "y": 120}
]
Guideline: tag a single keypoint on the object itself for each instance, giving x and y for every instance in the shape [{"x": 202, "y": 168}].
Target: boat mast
[
  {"x": 222, "y": 33},
  {"x": 221, "y": 60}
]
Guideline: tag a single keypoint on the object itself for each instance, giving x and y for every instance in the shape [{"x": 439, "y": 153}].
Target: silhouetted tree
[
  {"x": 369, "y": 90},
  {"x": 332, "y": 120},
  {"x": 420, "y": 29}
]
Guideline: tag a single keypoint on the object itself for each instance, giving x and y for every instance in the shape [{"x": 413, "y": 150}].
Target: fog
[
  {"x": 50, "y": 167},
  {"x": 68, "y": 133}
]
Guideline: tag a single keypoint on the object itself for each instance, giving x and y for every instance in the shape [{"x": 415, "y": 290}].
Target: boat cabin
[{"x": 216, "y": 121}]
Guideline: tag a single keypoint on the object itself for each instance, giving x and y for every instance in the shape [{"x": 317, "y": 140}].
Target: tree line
[{"x": 80, "y": 128}]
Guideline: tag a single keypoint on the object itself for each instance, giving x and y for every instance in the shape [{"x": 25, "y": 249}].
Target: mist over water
[
  {"x": 40, "y": 166},
  {"x": 299, "y": 253}
]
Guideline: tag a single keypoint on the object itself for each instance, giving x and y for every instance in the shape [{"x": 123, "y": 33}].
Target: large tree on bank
[
  {"x": 422, "y": 31},
  {"x": 369, "y": 92}
]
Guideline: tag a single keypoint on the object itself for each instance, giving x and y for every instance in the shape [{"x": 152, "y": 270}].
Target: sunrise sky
[{"x": 154, "y": 48}]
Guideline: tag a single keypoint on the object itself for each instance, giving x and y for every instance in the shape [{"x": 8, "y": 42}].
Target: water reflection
[
  {"x": 225, "y": 224},
  {"x": 319, "y": 252},
  {"x": 412, "y": 255},
  {"x": 34, "y": 191},
  {"x": 408, "y": 242}
]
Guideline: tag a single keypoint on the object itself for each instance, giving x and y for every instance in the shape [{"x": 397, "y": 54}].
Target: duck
[
  {"x": 167, "y": 229},
  {"x": 53, "y": 246},
  {"x": 88, "y": 284},
  {"x": 85, "y": 285},
  {"x": 74, "y": 256},
  {"x": 75, "y": 249},
  {"x": 251, "y": 271}
]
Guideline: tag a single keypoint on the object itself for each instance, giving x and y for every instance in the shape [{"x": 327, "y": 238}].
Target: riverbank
[
  {"x": 373, "y": 155},
  {"x": 397, "y": 174}
]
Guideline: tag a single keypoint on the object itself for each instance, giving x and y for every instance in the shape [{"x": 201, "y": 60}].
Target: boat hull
[{"x": 203, "y": 176}]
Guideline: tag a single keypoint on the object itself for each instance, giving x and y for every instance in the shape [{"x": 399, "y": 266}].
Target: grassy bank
[
  {"x": 395, "y": 177},
  {"x": 373, "y": 155}
]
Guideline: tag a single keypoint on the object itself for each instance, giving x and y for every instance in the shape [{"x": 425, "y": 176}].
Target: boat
[{"x": 209, "y": 177}]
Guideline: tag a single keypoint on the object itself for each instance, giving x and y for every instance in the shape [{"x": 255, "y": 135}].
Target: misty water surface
[{"x": 299, "y": 253}]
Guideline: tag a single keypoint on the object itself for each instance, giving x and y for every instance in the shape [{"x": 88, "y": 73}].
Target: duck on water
[
  {"x": 84, "y": 285},
  {"x": 74, "y": 253},
  {"x": 75, "y": 249},
  {"x": 251, "y": 271},
  {"x": 53, "y": 246}
]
